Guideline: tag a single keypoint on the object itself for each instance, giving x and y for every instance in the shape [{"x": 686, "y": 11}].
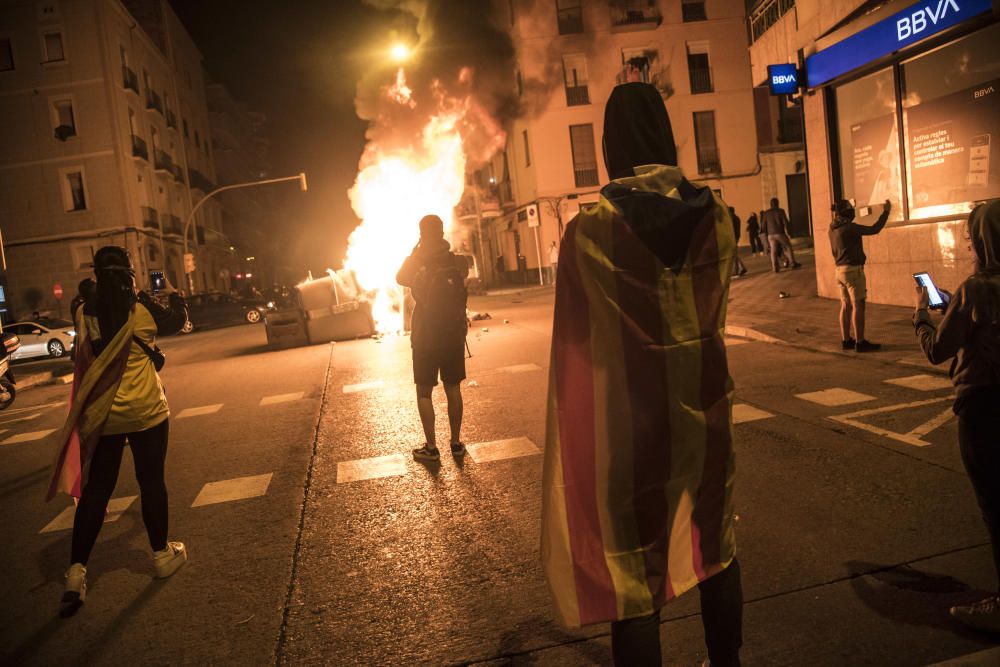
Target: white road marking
[
  {"x": 64, "y": 520},
  {"x": 922, "y": 382},
  {"x": 22, "y": 419},
  {"x": 228, "y": 490},
  {"x": 393, "y": 465},
  {"x": 281, "y": 398},
  {"x": 26, "y": 437},
  {"x": 835, "y": 396},
  {"x": 29, "y": 408},
  {"x": 520, "y": 368},
  {"x": 748, "y": 413},
  {"x": 363, "y": 386},
  {"x": 912, "y": 437},
  {"x": 197, "y": 412},
  {"x": 986, "y": 658},
  {"x": 498, "y": 450}
]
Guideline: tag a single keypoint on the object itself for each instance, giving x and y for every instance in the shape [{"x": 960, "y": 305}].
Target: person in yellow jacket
[{"x": 116, "y": 399}]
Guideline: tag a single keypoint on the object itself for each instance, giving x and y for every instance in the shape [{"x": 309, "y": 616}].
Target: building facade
[
  {"x": 571, "y": 53},
  {"x": 104, "y": 139},
  {"x": 901, "y": 102}
]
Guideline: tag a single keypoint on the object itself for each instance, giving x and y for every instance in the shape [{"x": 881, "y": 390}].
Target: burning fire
[{"x": 401, "y": 180}]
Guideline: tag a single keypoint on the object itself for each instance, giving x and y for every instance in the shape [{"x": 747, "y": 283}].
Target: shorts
[
  {"x": 853, "y": 285},
  {"x": 447, "y": 360}
]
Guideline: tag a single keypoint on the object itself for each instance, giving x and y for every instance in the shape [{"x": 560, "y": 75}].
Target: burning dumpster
[{"x": 333, "y": 308}]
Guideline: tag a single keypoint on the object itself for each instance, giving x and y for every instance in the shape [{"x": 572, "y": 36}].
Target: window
[
  {"x": 185, "y": 124},
  {"x": 634, "y": 13},
  {"x": 147, "y": 83},
  {"x": 63, "y": 120},
  {"x": 575, "y": 79},
  {"x": 699, "y": 71},
  {"x": 569, "y": 15},
  {"x": 705, "y": 143},
  {"x": 48, "y": 10},
  {"x": 640, "y": 64},
  {"x": 581, "y": 138},
  {"x": 6, "y": 55},
  {"x": 154, "y": 138},
  {"x": 693, "y": 10},
  {"x": 197, "y": 139},
  {"x": 52, "y": 47},
  {"x": 123, "y": 54},
  {"x": 527, "y": 148},
  {"x": 73, "y": 189}
]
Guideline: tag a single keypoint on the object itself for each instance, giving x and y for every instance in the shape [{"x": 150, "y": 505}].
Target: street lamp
[
  {"x": 303, "y": 185},
  {"x": 400, "y": 52}
]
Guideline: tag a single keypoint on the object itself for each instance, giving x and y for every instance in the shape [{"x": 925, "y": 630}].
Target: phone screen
[
  {"x": 156, "y": 281},
  {"x": 932, "y": 291}
]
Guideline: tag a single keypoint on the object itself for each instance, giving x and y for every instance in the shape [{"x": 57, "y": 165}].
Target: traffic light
[{"x": 189, "y": 262}]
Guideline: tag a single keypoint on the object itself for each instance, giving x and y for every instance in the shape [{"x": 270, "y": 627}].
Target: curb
[
  {"x": 33, "y": 380},
  {"x": 752, "y": 334}
]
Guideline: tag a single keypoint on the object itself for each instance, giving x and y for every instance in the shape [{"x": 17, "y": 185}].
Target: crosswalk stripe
[
  {"x": 21, "y": 419},
  {"x": 747, "y": 413},
  {"x": 922, "y": 382},
  {"x": 520, "y": 368},
  {"x": 379, "y": 466},
  {"x": 281, "y": 398},
  {"x": 26, "y": 437},
  {"x": 498, "y": 450},
  {"x": 197, "y": 412},
  {"x": 227, "y": 490},
  {"x": 64, "y": 520},
  {"x": 835, "y": 396},
  {"x": 362, "y": 386}
]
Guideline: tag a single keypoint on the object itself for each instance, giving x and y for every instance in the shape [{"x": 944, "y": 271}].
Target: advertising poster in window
[
  {"x": 953, "y": 153},
  {"x": 875, "y": 159}
]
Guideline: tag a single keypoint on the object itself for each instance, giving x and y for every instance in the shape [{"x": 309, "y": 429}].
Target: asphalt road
[{"x": 856, "y": 533}]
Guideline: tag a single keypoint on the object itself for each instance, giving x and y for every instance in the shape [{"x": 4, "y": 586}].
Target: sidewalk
[{"x": 808, "y": 321}]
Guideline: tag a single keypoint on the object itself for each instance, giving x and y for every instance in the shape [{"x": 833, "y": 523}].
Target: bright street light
[{"x": 400, "y": 52}]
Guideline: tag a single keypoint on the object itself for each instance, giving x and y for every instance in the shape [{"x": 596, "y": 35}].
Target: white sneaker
[
  {"x": 76, "y": 585},
  {"x": 170, "y": 559},
  {"x": 983, "y": 615}
]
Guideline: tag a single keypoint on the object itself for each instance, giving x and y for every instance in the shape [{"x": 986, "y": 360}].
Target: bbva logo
[
  {"x": 778, "y": 79},
  {"x": 916, "y": 23},
  {"x": 983, "y": 92}
]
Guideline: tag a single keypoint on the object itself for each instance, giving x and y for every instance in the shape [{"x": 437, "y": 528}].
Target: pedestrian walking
[
  {"x": 739, "y": 268},
  {"x": 116, "y": 399},
  {"x": 436, "y": 278},
  {"x": 763, "y": 235},
  {"x": 969, "y": 335},
  {"x": 638, "y": 471},
  {"x": 849, "y": 257},
  {"x": 775, "y": 223},
  {"x": 753, "y": 232},
  {"x": 553, "y": 262}
]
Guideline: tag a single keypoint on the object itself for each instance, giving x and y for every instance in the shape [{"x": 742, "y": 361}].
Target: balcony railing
[
  {"x": 585, "y": 177},
  {"x": 570, "y": 20},
  {"x": 577, "y": 95},
  {"x": 150, "y": 219},
  {"x": 171, "y": 118},
  {"x": 153, "y": 100},
  {"x": 505, "y": 192},
  {"x": 199, "y": 181},
  {"x": 171, "y": 224},
  {"x": 139, "y": 149},
  {"x": 708, "y": 160},
  {"x": 178, "y": 172},
  {"x": 634, "y": 14},
  {"x": 130, "y": 81},
  {"x": 693, "y": 11},
  {"x": 765, "y": 14},
  {"x": 701, "y": 81},
  {"x": 162, "y": 161}
]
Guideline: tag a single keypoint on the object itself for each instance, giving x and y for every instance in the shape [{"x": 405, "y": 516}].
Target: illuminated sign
[
  {"x": 909, "y": 26},
  {"x": 783, "y": 79}
]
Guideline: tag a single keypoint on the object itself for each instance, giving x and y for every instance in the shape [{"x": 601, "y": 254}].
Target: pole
[
  {"x": 538, "y": 249},
  {"x": 301, "y": 178}
]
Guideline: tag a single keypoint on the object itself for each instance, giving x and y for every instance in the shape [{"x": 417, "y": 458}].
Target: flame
[{"x": 400, "y": 181}]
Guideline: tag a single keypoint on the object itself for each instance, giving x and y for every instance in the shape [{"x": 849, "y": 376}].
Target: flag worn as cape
[
  {"x": 637, "y": 486},
  {"x": 95, "y": 383}
]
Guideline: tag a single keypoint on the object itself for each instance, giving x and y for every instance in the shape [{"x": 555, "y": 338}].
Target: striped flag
[{"x": 637, "y": 504}]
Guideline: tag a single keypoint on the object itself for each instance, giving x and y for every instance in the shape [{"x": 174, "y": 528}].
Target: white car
[{"x": 48, "y": 337}]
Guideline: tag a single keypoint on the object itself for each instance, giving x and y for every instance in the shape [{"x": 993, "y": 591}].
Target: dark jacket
[
  {"x": 969, "y": 333},
  {"x": 845, "y": 239},
  {"x": 736, "y": 226},
  {"x": 774, "y": 222},
  {"x": 430, "y": 329},
  {"x": 753, "y": 228}
]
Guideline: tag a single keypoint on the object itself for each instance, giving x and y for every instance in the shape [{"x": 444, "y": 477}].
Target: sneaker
[
  {"x": 848, "y": 344},
  {"x": 866, "y": 346},
  {"x": 76, "y": 585},
  {"x": 426, "y": 453},
  {"x": 796, "y": 265},
  {"x": 743, "y": 271},
  {"x": 170, "y": 559},
  {"x": 457, "y": 449},
  {"x": 983, "y": 615}
]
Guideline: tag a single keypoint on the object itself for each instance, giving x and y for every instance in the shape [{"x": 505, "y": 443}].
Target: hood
[
  {"x": 637, "y": 130},
  {"x": 984, "y": 232}
]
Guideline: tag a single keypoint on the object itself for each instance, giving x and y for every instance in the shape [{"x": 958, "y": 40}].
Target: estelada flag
[{"x": 637, "y": 486}]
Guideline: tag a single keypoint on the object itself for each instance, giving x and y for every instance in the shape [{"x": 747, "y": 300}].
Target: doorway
[{"x": 798, "y": 205}]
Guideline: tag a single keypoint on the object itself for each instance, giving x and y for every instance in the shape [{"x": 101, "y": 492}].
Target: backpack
[{"x": 440, "y": 293}]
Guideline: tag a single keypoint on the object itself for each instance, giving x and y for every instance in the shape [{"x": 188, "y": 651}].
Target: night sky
[{"x": 299, "y": 64}]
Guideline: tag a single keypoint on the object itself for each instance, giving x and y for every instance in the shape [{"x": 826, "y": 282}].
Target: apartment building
[
  {"x": 900, "y": 102},
  {"x": 571, "y": 53},
  {"x": 104, "y": 138}
]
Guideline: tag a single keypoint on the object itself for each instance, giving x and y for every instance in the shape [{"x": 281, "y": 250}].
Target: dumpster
[
  {"x": 333, "y": 308},
  {"x": 285, "y": 328}
]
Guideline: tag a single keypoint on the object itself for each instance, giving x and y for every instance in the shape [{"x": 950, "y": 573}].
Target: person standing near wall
[
  {"x": 775, "y": 224},
  {"x": 739, "y": 268},
  {"x": 753, "y": 232},
  {"x": 553, "y": 262}
]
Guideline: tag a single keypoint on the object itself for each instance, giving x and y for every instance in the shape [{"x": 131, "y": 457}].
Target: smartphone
[
  {"x": 936, "y": 301},
  {"x": 157, "y": 282}
]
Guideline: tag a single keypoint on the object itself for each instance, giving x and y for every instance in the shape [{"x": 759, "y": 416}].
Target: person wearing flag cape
[{"x": 638, "y": 473}]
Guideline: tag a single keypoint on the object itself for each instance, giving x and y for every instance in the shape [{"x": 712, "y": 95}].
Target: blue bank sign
[
  {"x": 783, "y": 79},
  {"x": 908, "y": 26}
]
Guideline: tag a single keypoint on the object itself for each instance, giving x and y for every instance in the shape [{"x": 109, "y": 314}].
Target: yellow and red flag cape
[{"x": 637, "y": 487}]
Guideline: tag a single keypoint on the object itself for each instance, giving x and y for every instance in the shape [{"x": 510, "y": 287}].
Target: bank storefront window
[
  {"x": 951, "y": 120},
  {"x": 869, "y": 141}
]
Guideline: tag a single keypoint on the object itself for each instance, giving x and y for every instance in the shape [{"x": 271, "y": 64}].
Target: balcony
[
  {"x": 585, "y": 177},
  {"x": 172, "y": 224},
  {"x": 178, "y": 172},
  {"x": 577, "y": 95},
  {"x": 139, "y": 149},
  {"x": 162, "y": 161},
  {"x": 171, "y": 118},
  {"x": 154, "y": 101},
  {"x": 634, "y": 15},
  {"x": 708, "y": 160},
  {"x": 570, "y": 20},
  {"x": 130, "y": 80},
  {"x": 701, "y": 81},
  {"x": 150, "y": 219},
  {"x": 693, "y": 10},
  {"x": 764, "y": 14},
  {"x": 199, "y": 181}
]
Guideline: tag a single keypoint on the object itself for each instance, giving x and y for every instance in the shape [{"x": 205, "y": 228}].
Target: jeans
[
  {"x": 636, "y": 641},
  {"x": 755, "y": 244},
  {"x": 979, "y": 442},
  {"x": 149, "y": 452},
  {"x": 776, "y": 241}
]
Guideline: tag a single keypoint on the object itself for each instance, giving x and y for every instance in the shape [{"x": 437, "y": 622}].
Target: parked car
[
  {"x": 215, "y": 309},
  {"x": 47, "y": 337}
]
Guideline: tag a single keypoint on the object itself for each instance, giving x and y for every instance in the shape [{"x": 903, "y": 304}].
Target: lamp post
[{"x": 300, "y": 177}]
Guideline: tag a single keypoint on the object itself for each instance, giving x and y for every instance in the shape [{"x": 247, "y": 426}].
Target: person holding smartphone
[
  {"x": 849, "y": 256},
  {"x": 969, "y": 335}
]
